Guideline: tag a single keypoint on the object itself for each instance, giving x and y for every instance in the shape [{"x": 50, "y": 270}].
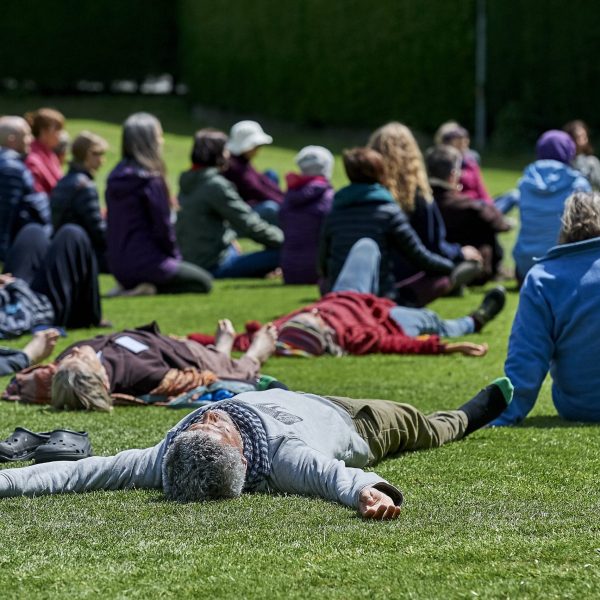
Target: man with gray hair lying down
[{"x": 273, "y": 441}]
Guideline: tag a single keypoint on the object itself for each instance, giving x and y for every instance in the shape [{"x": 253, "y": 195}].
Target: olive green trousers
[{"x": 390, "y": 427}]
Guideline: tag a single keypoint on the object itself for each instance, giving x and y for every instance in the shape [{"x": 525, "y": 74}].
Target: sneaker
[{"x": 493, "y": 303}]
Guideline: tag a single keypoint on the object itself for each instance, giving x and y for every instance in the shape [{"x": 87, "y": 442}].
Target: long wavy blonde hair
[{"x": 405, "y": 173}]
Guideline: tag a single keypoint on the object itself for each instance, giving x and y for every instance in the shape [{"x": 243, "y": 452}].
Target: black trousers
[{"x": 64, "y": 269}]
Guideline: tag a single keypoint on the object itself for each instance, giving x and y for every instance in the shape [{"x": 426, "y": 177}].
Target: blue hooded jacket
[{"x": 544, "y": 188}]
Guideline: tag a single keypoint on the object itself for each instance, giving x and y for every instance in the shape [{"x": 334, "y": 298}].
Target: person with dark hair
[
  {"x": 75, "y": 197},
  {"x": 260, "y": 190},
  {"x": 367, "y": 209},
  {"x": 584, "y": 160},
  {"x": 556, "y": 328},
  {"x": 543, "y": 190},
  {"x": 47, "y": 125},
  {"x": 276, "y": 441},
  {"x": 468, "y": 222},
  {"x": 213, "y": 214},
  {"x": 141, "y": 247},
  {"x": 306, "y": 203},
  {"x": 50, "y": 282},
  {"x": 20, "y": 203}
]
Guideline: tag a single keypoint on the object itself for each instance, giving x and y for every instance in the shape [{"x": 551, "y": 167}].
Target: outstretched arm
[
  {"x": 298, "y": 469},
  {"x": 128, "y": 469}
]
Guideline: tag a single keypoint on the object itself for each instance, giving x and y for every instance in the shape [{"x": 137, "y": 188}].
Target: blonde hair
[
  {"x": 405, "y": 174},
  {"x": 443, "y": 130},
  {"x": 581, "y": 218},
  {"x": 76, "y": 387}
]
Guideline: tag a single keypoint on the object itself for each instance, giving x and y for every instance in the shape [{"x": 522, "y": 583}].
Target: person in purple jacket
[
  {"x": 141, "y": 248},
  {"x": 260, "y": 190},
  {"x": 308, "y": 199}
]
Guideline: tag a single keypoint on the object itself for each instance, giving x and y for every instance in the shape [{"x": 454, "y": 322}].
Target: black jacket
[
  {"x": 369, "y": 211},
  {"x": 75, "y": 200}
]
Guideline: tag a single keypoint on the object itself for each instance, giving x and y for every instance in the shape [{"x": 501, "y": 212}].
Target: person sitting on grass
[
  {"x": 406, "y": 178},
  {"x": 75, "y": 197},
  {"x": 212, "y": 215},
  {"x": 366, "y": 208},
  {"x": 46, "y": 125},
  {"x": 142, "y": 250},
  {"x": 20, "y": 203},
  {"x": 351, "y": 320},
  {"x": 39, "y": 348},
  {"x": 556, "y": 327},
  {"x": 140, "y": 361},
  {"x": 543, "y": 190},
  {"x": 307, "y": 201},
  {"x": 260, "y": 190},
  {"x": 275, "y": 441},
  {"x": 585, "y": 160},
  {"x": 468, "y": 222}
]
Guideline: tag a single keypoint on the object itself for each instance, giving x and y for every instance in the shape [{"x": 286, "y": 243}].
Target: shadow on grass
[{"x": 553, "y": 422}]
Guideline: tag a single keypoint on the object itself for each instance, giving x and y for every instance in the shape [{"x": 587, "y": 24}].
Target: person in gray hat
[
  {"x": 308, "y": 200},
  {"x": 260, "y": 190}
]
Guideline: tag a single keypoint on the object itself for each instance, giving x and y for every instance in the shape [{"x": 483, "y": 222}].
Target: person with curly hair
[{"x": 406, "y": 178}]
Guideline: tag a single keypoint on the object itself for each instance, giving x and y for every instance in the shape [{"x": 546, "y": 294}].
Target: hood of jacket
[
  {"x": 305, "y": 189},
  {"x": 359, "y": 193},
  {"x": 128, "y": 177},
  {"x": 189, "y": 180},
  {"x": 548, "y": 177}
]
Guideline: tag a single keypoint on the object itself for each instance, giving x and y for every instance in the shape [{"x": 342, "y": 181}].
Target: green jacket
[{"x": 212, "y": 215}]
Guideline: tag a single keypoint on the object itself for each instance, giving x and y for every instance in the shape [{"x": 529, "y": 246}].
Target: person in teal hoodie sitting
[
  {"x": 556, "y": 327},
  {"x": 543, "y": 190}
]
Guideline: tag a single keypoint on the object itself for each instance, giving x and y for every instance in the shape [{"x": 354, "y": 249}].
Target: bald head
[{"x": 15, "y": 134}]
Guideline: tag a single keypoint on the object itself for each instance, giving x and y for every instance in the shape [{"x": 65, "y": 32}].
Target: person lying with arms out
[{"x": 276, "y": 441}]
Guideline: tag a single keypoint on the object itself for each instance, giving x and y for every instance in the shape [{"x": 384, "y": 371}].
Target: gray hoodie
[{"x": 313, "y": 447}]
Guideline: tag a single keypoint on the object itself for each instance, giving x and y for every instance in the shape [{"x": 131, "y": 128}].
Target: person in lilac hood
[
  {"x": 308, "y": 200},
  {"x": 545, "y": 186},
  {"x": 141, "y": 247}
]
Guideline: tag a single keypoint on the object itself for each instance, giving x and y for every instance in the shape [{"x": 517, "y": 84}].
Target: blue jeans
[
  {"x": 268, "y": 211},
  {"x": 254, "y": 264},
  {"x": 360, "y": 273}
]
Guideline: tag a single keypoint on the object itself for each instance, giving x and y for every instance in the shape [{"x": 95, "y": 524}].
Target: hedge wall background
[
  {"x": 56, "y": 43},
  {"x": 331, "y": 61}
]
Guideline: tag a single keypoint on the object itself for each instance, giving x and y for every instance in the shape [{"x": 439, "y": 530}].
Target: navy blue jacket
[
  {"x": 75, "y": 200},
  {"x": 369, "y": 210},
  {"x": 20, "y": 204}
]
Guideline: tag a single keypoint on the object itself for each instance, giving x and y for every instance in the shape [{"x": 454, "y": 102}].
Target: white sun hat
[
  {"x": 245, "y": 136},
  {"x": 315, "y": 160}
]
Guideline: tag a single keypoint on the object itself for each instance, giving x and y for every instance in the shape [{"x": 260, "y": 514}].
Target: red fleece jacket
[{"x": 361, "y": 322}]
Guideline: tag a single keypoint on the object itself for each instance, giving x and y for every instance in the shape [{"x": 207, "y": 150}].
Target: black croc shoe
[
  {"x": 21, "y": 444},
  {"x": 64, "y": 445}
]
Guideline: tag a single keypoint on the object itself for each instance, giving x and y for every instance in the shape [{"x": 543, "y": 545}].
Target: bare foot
[
  {"x": 224, "y": 336},
  {"x": 41, "y": 346},
  {"x": 263, "y": 343}
]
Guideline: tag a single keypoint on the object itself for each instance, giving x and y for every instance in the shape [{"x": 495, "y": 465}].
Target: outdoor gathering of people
[{"x": 410, "y": 227}]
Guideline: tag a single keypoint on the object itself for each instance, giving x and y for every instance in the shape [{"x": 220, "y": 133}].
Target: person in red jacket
[{"x": 351, "y": 320}]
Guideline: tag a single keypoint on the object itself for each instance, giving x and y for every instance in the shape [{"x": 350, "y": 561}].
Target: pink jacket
[
  {"x": 44, "y": 166},
  {"x": 472, "y": 181}
]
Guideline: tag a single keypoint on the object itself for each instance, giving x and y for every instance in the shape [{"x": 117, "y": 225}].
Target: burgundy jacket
[{"x": 252, "y": 186}]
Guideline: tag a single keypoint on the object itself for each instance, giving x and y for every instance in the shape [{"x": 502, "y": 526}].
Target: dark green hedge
[
  {"x": 332, "y": 61},
  {"x": 544, "y": 63},
  {"x": 55, "y": 43}
]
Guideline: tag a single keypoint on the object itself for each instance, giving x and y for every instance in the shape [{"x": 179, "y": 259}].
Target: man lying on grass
[{"x": 273, "y": 441}]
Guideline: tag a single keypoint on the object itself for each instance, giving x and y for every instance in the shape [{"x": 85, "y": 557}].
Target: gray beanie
[{"x": 315, "y": 160}]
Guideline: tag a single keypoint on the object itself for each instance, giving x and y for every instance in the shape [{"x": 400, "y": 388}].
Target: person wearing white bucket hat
[{"x": 260, "y": 190}]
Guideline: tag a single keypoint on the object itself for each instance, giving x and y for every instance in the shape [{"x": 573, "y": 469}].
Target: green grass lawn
[{"x": 506, "y": 513}]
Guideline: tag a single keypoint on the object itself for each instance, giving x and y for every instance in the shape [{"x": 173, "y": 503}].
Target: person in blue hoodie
[
  {"x": 543, "y": 190},
  {"x": 367, "y": 209},
  {"x": 556, "y": 327}
]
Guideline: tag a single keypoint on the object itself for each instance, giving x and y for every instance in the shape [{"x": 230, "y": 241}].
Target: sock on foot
[{"x": 488, "y": 404}]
